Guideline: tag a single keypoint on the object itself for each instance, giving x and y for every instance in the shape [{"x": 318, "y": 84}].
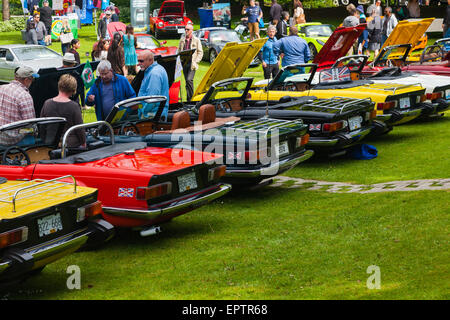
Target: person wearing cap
[
  {"x": 109, "y": 88},
  {"x": 46, "y": 16},
  {"x": 69, "y": 60},
  {"x": 16, "y": 102},
  {"x": 102, "y": 30}
]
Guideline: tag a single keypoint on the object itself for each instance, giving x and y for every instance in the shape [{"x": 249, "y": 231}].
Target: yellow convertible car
[
  {"x": 44, "y": 220},
  {"x": 395, "y": 103}
]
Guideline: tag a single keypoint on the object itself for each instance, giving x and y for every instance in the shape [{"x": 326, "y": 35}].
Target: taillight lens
[
  {"x": 158, "y": 190},
  {"x": 251, "y": 156},
  {"x": 217, "y": 172},
  {"x": 422, "y": 98},
  {"x": 373, "y": 114},
  {"x": 90, "y": 210},
  {"x": 335, "y": 126},
  {"x": 385, "y": 105},
  {"x": 434, "y": 95},
  {"x": 13, "y": 237},
  {"x": 301, "y": 141}
]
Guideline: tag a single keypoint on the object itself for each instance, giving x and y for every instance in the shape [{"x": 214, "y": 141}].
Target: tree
[{"x": 5, "y": 10}]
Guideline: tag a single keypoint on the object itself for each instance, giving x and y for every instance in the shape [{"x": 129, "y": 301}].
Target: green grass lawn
[{"x": 281, "y": 243}]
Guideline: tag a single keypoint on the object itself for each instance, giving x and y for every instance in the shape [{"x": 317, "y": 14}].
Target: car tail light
[
  {"x": 90, "y": 210},
  {"x": 252, "y": 155},
  {"x": 217, "y": 172},
  {"x": 301, "y": 141},
  {"x": 421, "y": 98},
  {"x": 434, "y": 95},
  {"x": 335, "y": 126},
  {"x": 385, "y": 105},
  {"x": 13, "y": 237},
  {"x": 373, "y": 114},
  {"x": 158, "y": 190}
]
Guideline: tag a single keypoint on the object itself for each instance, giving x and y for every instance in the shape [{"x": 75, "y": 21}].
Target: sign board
[{"x": 140, "y": 13}]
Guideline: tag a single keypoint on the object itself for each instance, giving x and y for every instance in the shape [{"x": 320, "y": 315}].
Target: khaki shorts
[{"x": 253, "y": 27}]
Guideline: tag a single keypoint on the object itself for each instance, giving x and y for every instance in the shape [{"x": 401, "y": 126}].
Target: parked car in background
[
  {"x": 214, "y": 39},
  {"x": 315, "y": 34},
  {"x": 170, "y": 20},
  {"x": 42, "y": 221},
  {"x": 140, "y": 187},
  {"x": 149, "y": 42},
  {"x": 35, "y": 56}
]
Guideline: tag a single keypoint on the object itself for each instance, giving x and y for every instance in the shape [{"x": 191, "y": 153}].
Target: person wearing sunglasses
[{"x": 187, "y": 42}]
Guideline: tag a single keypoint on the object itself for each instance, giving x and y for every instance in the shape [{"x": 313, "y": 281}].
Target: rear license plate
[
  {"x": 404, "y": 103},
  {"x": 180, "y": 30},
  {"x": 354, "y": 123},
  {"x": 49, "y": 224},
  {"x": 282, "y": 149},
  {"x": 447, "y": 94},
  {"x": 187, "y": 182}
]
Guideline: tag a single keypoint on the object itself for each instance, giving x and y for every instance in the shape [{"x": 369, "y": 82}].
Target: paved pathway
[{"x": 335, "y": 187}]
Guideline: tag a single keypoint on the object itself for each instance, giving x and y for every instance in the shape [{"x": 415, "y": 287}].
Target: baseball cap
[
  {"x": 360, "y": 8},
  {"x": 25, "y": 72},
  {"x": 69, "y": 57},
  {"x": 108, "y": 12}
]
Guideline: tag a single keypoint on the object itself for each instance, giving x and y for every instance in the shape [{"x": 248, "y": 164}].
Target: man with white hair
[
  {"x": 270, "y": 61},
  {"x": 16, "y": 102},
  {"x": 375, "y": 6},
  {"x": 109, "y": 89}
]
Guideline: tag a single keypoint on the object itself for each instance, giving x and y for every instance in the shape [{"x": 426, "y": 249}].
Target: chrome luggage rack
[
  {"x": 392, "y": 87},
  {"x": 340, "y": 104},
  {"x": 265, "y": 125},
  {"x": 10, "y": 194}
]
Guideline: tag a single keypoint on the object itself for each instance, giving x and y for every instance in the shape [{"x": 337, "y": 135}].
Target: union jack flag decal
[
  {"x": 126, "y": 192},
  {"x": 335, "y": 74},
  {"x": 234, "y": 155},
  {"x": 314, "y": 127}
]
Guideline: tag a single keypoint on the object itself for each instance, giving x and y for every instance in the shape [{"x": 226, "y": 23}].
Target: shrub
[{"x": 15, "y": 24}]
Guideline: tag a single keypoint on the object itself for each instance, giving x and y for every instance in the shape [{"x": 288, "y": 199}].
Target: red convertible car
[
  {"x": 149, "y": 42},
  {"x": 139, "y": 186},
  {"x": 171, "y": 19}
]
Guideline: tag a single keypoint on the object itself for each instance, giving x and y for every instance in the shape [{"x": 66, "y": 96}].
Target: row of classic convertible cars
[{"x": 140, "y": 170}]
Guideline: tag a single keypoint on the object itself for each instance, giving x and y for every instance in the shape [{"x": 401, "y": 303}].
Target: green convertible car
[{"x": 315, "y": 34}]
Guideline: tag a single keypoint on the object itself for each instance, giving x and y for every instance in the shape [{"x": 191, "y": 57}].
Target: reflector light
[
  {"x": 158, "y": 190},
  {"x": 13, "y": 237},
  {"x": 301, "y": 141},
  {"x": 217, "y": 172},
  {"x": 90, "y": 210}
]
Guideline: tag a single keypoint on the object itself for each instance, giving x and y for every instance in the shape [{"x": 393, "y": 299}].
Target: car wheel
[
  {"x": 212, "y": 56},
  {"x": 313, "y": 50}
]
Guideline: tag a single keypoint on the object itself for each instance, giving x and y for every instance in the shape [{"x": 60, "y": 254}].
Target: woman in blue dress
[{"x": 129, "y": 46}]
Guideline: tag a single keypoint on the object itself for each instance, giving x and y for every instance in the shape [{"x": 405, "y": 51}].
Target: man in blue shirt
[
  {"x": 254, "y": 13},
  {"x": 269, "y": 58},
  {"x": 295, "y": 50},
  {"x": 155, "y": 82},
  {"x": 109, "y": 89}
]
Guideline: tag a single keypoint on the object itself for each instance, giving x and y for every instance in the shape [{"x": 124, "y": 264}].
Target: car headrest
[
  {"x": 181, "y": 120},
  {"x": 207, "y": 113}
]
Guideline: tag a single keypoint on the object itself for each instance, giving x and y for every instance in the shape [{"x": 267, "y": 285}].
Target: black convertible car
[
  {"x": 253, "y": 150},
  {"x": 333, "y": 124}
]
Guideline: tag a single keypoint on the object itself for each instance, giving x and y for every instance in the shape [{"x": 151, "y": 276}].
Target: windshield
[
  {"x": 134, "y": 111},
  {"x": 324, "y": 30},
  {"x": 34, "y": 53},
  {"x": 392, "y": 53},
  {"x": 146, "y": 43},
  {"x": 232, "y": 89},
  {"x": 293, "y": 75},
  {"x": 32, "y": 134},
  {"x": 224, "y": 36}
]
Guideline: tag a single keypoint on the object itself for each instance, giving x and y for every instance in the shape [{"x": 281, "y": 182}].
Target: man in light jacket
[
  {"x": 187, "y": 42},
  {"x": 387, "y": 24}
]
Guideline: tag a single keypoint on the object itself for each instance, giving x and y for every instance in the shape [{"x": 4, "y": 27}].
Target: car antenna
[{"x": 267, "y": 88}]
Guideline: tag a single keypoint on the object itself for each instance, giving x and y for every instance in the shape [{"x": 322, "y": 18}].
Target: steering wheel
[
  {"x": 289, "y": 86},
  {"x": 129, "y": 129},
  {"x": 17, "y": 158},
  {"x": 224, "y": 106}
]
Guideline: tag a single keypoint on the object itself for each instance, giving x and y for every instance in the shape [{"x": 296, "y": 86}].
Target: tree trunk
[{"x": 5, "y": 10}]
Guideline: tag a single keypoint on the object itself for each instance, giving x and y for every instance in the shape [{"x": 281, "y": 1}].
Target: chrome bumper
[
  {"x": 17, "y": 262},
  {"x": 272, "y": 170},
  {"x": 171, "y": 207},
  {"x": 345, "y": 140},
  {"x": 407, "y": 115}
]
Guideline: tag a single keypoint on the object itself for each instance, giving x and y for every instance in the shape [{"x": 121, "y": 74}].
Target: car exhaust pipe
[{"x": 150, "y": 231}]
